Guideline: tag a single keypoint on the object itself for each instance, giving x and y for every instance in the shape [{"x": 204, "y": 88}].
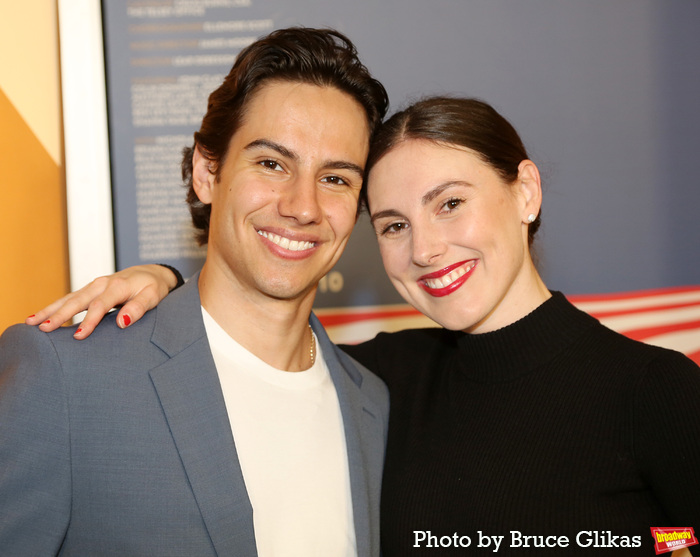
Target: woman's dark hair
[
  {"x": 469, "y": 123},
  {"x": 322, "y": 57}
]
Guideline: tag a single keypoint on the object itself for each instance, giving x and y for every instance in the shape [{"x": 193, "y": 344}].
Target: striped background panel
[{"x": 668, "y": 317}]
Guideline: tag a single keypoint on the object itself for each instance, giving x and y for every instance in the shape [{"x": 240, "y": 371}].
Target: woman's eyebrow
[
  {"x": 437, "y": 190},
  {"x": 427, "y": 198},
  {"x": 385, "y": 214}
]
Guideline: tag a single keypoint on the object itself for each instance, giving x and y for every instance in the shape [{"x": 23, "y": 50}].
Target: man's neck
[{"x": 275, "y": 330}]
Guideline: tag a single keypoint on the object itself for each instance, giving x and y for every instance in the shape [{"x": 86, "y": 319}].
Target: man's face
[{"x": 285, "y": 201}]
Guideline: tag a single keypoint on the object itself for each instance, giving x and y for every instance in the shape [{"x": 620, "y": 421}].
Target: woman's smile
[{"x": 447, "y": 280}]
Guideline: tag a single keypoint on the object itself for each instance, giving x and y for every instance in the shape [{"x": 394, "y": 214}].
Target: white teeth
[
  {"x": 448, "y": 279},
  {"x": 286, "y": 243}
]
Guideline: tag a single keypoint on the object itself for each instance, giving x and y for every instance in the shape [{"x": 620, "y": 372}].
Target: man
[{"x": 223, "y": 423}]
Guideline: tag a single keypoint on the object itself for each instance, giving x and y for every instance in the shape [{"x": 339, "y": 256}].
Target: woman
[{"x": 523, "y": 425}]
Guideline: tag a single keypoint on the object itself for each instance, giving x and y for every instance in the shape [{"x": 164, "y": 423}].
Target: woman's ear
[
  {"x": 203, "y": 177},
  {"x": 530, "y": 187}
]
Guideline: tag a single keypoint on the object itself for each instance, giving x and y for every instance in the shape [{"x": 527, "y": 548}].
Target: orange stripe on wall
[{"x": 33, "y": 232}]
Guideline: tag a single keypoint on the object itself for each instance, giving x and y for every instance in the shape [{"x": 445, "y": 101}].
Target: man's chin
[{"x": 289, "y": 290}]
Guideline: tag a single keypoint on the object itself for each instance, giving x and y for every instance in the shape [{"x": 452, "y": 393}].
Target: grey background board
[{"x": 604, "y": 94}]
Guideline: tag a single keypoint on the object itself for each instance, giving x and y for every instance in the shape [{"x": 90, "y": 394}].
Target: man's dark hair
[{"x": 322, "y": 57}]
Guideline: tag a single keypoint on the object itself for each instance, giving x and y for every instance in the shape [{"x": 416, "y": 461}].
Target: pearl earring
[{"x": 531, "y": 218}]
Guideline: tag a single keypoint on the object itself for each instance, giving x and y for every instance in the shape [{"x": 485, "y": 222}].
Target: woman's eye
[
  {"x": 394, "y": 228},
  {"x": 452, "y": 204},
  {"x": 271, "y": 164}
]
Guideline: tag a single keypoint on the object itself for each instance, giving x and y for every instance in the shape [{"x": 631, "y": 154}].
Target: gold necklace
[{"x": 312, "y": 347}]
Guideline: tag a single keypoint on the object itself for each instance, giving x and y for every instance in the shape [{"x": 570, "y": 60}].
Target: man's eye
[
  {"x": 337, "y": 180},
  {"x": 271, "y": 164}
]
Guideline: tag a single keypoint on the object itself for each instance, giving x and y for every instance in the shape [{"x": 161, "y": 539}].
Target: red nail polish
[
  {"x": 78, "y": 331},
  {"x": 32, "y": 315},
  {"x": 46, "y": 322},
  {"x": 127, "y": 320}
]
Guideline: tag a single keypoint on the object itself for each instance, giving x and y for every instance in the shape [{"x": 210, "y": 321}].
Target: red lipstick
[{"x": 440, "y": 291}]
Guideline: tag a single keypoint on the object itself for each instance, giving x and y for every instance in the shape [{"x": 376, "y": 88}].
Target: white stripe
[
  {"x": 687, "y": 342},
  {"x": 632, "y": 321}
]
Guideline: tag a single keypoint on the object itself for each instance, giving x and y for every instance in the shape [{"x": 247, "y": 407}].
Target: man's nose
[{"x": 300, "y": 200}]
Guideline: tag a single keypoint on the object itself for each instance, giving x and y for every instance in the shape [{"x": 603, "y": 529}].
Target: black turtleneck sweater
[{"x": 552, "y": 426}]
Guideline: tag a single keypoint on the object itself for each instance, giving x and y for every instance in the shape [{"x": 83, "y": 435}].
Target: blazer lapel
[
  {"x": 190, "y": 395},
  {"x": 365, "y": 441}
]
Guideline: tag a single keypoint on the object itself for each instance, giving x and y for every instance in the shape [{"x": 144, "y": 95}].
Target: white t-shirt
[{"x": 289, "y": 435}]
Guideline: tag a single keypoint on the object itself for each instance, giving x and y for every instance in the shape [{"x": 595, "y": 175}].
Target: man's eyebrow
[
  {"x": 344, "y": 165},
  {"x": 437, "y": 190},
  {"x": 287, "y": 153},
  {"x": 269, "y": 144}
]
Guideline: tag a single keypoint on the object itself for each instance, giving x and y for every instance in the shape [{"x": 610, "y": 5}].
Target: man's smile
[{"x": 287, "y": 243}]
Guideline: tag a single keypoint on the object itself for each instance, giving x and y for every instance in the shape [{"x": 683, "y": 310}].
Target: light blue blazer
[{"x": 121, "y": 445}]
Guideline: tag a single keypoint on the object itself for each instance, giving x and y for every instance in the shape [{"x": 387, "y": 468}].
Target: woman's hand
[{"x": 139, "y": 288}]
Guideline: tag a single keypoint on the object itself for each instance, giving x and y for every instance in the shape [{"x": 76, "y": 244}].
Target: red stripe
[
  {"x": 615, "y": 313},
  {"x": 629, "y": 295},
  {"x": 334, "y": 319},
  {"x": 646, "y": 332},
  {"x": 695, "y": 356}
]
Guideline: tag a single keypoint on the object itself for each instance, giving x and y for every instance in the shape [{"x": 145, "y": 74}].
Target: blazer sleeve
[{"x": 35, "y": 478}]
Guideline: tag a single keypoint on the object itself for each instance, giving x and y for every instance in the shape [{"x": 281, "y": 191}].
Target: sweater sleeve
[
  {"x": 666, "y": 418},
  {"x": 35, "y": 481}
]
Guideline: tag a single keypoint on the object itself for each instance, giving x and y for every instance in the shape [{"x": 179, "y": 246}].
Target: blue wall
[{"x": 604, "y": 93}]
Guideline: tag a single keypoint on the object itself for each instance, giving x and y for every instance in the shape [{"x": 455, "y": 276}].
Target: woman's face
[{"x": 453, "y": 235}]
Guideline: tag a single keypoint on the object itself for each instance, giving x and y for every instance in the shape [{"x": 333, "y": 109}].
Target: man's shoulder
[
  {"x": 107, "y": 334},
  {"x": 108, "y": 345},
  {"x": 22, "y": 339}
]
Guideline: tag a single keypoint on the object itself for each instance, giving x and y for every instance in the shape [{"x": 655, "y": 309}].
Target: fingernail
[
  {"x": 32, "y": 315},
  {"x": 127, "y": 320},
  {"x": 78, "y": 332},
  {"x": 46, "y": 322}
]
